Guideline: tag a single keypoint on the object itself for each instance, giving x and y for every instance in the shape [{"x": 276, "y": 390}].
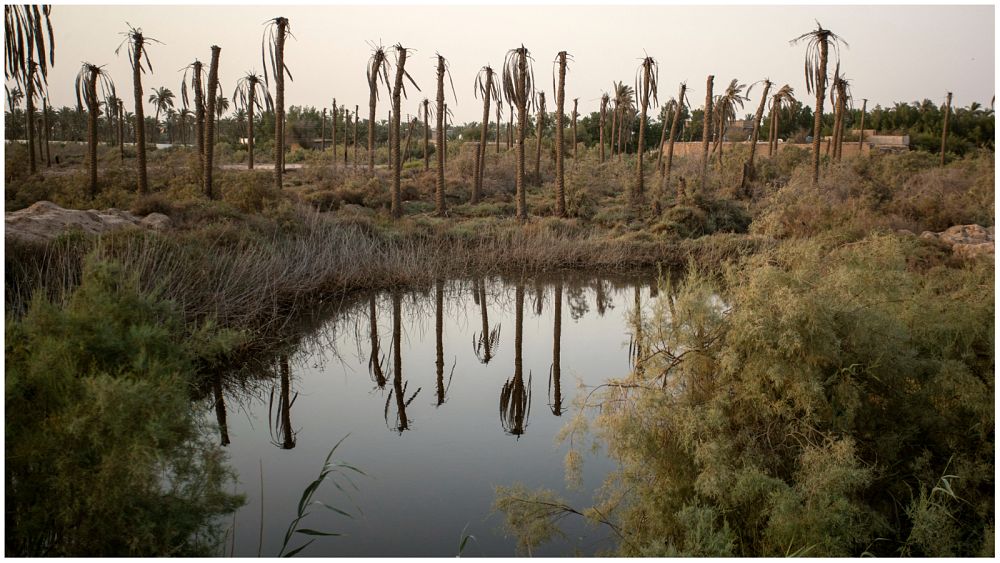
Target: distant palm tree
[
  {"x": 646, "y": 86},
  {"x": 14, "y": 97},
  {"x": 275, "y": 32},
  {"x": 88, "y": 80},
  {"x": 162, "y": 99},
  {"x": 519, "y": 91},
  {"x": 818, "y": 44},
  {"x": 488, "y": 90},
  {"x": 136, "y": 42},
  {"x": 397, "y": 163},
  {"x": 378, "y": 70},
  {"x": 783, "y": 98},
  {"x": 251, "y": 95}
]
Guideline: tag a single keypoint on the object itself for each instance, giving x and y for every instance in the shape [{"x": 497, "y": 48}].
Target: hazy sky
[{"x": 896, "y": 53}]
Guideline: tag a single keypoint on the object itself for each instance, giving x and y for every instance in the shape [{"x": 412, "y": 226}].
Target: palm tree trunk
[
  {"x": 397, "y": 361},
  {"x": 427, "y": 136},
  {"x": 279, "y": 102},
  {"x": 210, "y": 117},
  {"x": 347, "y": 128},
  {"x": 442, "y": 149},
  {"x": 29, "y": 116},
  {"x": 140, "y": 123},
  {"x": 333, "y": 131},
  {"x": 477, "y": 185},
  {"x": 556, "y": 351},
  {"x": 818, "y": 116},
  {"x": 288, "y": 438},
  {"x": 614, "y": 129},
  {"x": 510, "y": 128},
  {"x": 603, "y": 124},
  {"x": 485, "y": 337},
  {"x": 395, "y": 161},
  {"x": 673, "y": 130},
  {"x": 640, "y": 175},
  {"x": 322, "y": 131},
  {"x": 522, "y": 122},
  {"x": 560, "y": 103},
  {"x": 944, "y": 128},
  {"x": 707, "y": 129},
  {"x": 498, "y": 126},
  {"x": 45, "y": 130},
  {"x": 199, "y": 114},
  {"x": 253, "y": 91},
  {"x": 409, "y": 137},
  {"x": 748, "y": 170},
  {"x": 861, "y": 134},
  {"x": 375, "y": 361},
  {"x": 439, "y": 338},
  {"x": 93, "y": 111},
  {"x": 539, "y": 125},
  {"x": 575, "y": 102},
  {"x": 663, "y": 141},
  {"x": 354, "y": 141},
  {"x": 121, "y": 129},
  {"x": 372, "y": 99}
]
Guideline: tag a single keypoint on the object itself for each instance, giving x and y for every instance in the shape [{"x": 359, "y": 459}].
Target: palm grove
[{"x": 726, "y": 409}]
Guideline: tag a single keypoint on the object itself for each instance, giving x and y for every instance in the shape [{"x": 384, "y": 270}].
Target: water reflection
[
  {"x": 282, "y": 425},
  {"x": 401, "y": 422},
  {"x": 515, "y": 397},
  {"x": 555, "y": 386},
  {"x": 220, "y": 409},
  {"x": 486, "y": 344},
  {"x": 375, "y": 360}
]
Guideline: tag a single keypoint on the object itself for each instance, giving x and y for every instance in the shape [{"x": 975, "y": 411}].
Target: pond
[{"x": 436, "y": 426}]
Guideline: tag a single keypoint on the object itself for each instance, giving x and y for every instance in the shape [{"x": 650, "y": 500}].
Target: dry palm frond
[
  {"x": 406, "y": 74},
  {"x": 555, "y": 67},
  {"x": 479, "y": 86},
  {"x": 252, "y": 82},
  {"x": 192, "y": 68},
  {"x": 446, "y": 68},
  {"x": 485, "y": 345},
  {"x": 105, "y": 86},
  {"x": 515, "y": 405},
  {"x": 136, "y": 43},
  {"x": 23, "y": 39},
  {"x": 512, "y": 76},
  {"x": 268, "y": 44},
  {"x": 377, "y": 69},
  {"x": 648, "y": 67},
  {"x": 814, "y": 41}
]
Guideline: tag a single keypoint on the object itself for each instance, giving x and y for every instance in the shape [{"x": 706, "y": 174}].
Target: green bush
[{"x": 105, "y": 455}]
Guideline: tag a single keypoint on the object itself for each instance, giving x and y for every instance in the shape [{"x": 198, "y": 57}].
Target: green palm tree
[
  {"x": 818, "y": 44},
  {"x": 251, "y": 95},
  {"x": 273, "y": 43},
  {"x": 162, "y": 99},
  {"x": 519, "y": 91},
  {"x": 91, "y": 78},
  {"x": 136, "y": 42},
  {"x": 378, "y": 71}
]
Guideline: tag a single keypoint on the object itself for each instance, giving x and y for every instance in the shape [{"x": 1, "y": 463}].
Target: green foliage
[
  {"x": 823, "y": 399},
  {"x": 105, "y": 454}
]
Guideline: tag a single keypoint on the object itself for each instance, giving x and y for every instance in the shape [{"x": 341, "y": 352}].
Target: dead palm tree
[
  {"x": 944, "y": 127},
  {"x": 273, "y": 44},
  {"x": 198, "y": 80},
  {"x": 88, "y": 80},
  {"x": 347, "y": 128},
  {"x": 249, "y": 95},
  {"x": 519, "y": 91},
  {"x": 397, "y": 163},
  {"x": 665, "y": 114},
  {"x": 818, "y": 44},
  {"x": 539, "y": 128},
  {"x": 34, "y": 87},
  {"x": 555, "y": 375},
  {"x": 498, "y": 122},
  {"x": 486, "y": 343},
  {"x": 560, "y": 90},
  {"x": 26, "y": 27},
  {"x": 489, "y": 91},
  {"x": 861, "y": 134},
  {"x": 726, "y": 106},
  {"x": 162, "y": 99},
  {"x": 678, "y": 110},
  {"x": 748, "y": 168},
  {"x": 354, "y": 142},
  {"x": 210, "y": 119},
  {"x": 136, "y": 42},
  {"x": 46, "y": 109},
  {"x": 515, "y": 396},
  {"x": 333, "y": 130},
  {"x": 427, "y": 134},
  {"x": 121, "y": 128},
  {"x": 841, "y": 89},
  {"x": 707, "y": 129},
  {"x": 378, "y": 70},
  {"x": 783, "y": 98},
  {"x": 375, "y": 359},
  {"x": 646, "y": 79},
  {"x": 442, "y": 132},
  {"x": 605, "y": 99},
  {"x": 576, "y": 101}
]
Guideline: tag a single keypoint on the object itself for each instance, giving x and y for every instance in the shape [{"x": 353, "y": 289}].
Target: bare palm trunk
[
  {"x": 409, "y": 137},
  {"x": 640, "y": 176},
  {"x": 673, "y": 130},
  {"x": 93, "y": 111},
  {"x": 372, "y": 100},
  {"x": 748, "y": 169},
  {"x": 394, "y": 159},
  {"x": 522, "y": 123},
  {"x": 199, "y": 114},
  {"x": 439, "y": 338},
  {"x": 333, "y": 132},
  {"x": 861, "y": 134},
  {"x": 220, "y": 410},
  {"x": 397, "y": 362},
  {"x": 560, "y": 104},
  {"x": 485, "y": 337},
  {"x": 575, "y": 102},
  {"x": 210, "y": 117},
  {"x": 427, "y": 136},
  {"x": 818, "y": 116},
  {"x": 556, "y": 351},
  {"x": 539, "y": 126},
  {"x": 354, "y": 140},
  {"x": 707, "y": 130},
  {"x": 477, "y": 185},
  {"x": 510, "y": 128},
  {"x": 121, "y": 129},
  {"x": 288, "y": 437},
  {"x": 498, "y": 126},
  {"x": 45, "y": 131},
  {"x": 279, "y": 102},
  {"x": 441, "y": 140},
  {"x": 944, "y": 129},
  {"x": 375, "y": 361},
  {"x": 29, "y": 116},
  {"x": 140, "y": 124},
  {"x": 603, "y": 125},
  {"x": 252, "y": 92},
  {"x": 347, "y": 128}
]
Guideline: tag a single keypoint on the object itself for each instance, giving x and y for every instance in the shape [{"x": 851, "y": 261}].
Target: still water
[{"x": 436, "y": 426}]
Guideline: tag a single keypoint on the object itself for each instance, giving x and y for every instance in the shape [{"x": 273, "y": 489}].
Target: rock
[
  {"x": 973, "y": 250},
  {"x": 45, "y": 220},
  {"x": 966, "y": 241},
  {"x": 155, "y": 222}
]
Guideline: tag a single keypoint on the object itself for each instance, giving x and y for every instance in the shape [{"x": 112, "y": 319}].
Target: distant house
[{"x": 739, "y": 130}]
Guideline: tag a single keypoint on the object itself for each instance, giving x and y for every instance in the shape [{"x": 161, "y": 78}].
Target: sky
[{"x": 895, "y": 53}]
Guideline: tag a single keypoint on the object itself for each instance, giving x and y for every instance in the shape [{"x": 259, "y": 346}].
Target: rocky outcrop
[
  {"x": 966, "y": 241},
  {"x": 45, "y": 220}
]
